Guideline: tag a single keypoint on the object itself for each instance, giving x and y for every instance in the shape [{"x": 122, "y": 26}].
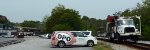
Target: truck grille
[{"x": 129, "y": 29}]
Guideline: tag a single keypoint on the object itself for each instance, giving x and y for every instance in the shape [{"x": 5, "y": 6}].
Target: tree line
[{"x": 66, "y": 19}]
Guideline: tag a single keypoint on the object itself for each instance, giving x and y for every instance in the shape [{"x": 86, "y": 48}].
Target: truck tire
[
  {"x": 135, "y": 39},
  {"x": 119, "y": 38},
  {"x": 112, "y": 37},
  {"x": 90, "y": 43},
  {"x": 61, "y": 44}
]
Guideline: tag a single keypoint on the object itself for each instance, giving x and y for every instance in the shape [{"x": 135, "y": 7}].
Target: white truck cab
[
  {"x": 63, "y": 38},
  {"x": 126, "y": 27},
  {"x": 121, "y": 28}
]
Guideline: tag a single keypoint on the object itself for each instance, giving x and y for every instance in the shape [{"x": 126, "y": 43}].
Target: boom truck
[{"x": 121, "y": 29}]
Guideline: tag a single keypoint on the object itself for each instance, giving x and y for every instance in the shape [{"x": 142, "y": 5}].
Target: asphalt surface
[
  {"x": 36, "y": 43},
  {"x": 6, "y": 39},
  {"x": 9, "y": 41}
]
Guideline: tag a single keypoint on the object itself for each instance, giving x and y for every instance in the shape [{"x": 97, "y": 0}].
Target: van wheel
[
  {"x": 90, "y": 43},
  {"x": 61, "y": 44}
]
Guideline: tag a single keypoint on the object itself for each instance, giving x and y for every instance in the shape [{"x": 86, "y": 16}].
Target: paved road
[{"x": 36, "y": 43}]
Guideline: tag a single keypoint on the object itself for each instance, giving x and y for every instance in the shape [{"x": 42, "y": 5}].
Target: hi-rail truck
[{"x": 121, "y": 29}]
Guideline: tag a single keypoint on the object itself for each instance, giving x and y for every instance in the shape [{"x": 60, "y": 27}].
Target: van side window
[
  {"x": 53, "y": 33},
  {"x": 86, "y": 33},
  {"x": 74, "y": 34},
  {"x": 79, "y": 34}
]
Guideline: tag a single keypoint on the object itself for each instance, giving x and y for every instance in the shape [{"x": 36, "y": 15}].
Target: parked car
[
  {"x": 65, "y": 38},
  {"x": 20, "y": 35},
  {"x": 47, "y": 36}
]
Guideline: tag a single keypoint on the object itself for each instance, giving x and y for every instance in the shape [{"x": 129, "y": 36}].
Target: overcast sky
[{"x": 20, "y": 10}]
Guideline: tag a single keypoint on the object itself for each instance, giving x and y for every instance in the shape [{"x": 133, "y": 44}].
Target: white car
[
  {"x": 65, "y": 38},
  {"x": 45, "y": 36}
]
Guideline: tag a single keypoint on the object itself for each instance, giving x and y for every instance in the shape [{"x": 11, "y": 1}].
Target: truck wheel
[
  {"x": 135, "y": 39},
  {"x": 112, "y": 36},
  {"x": 111, "y": 39},
  {"x": 90, "y": 43},
  {"x": 119, "y": 38},
  {"x": 61, "y": 44}
]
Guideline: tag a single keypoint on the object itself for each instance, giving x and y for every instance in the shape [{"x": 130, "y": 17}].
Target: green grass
[{"x": 102, "y": 46}]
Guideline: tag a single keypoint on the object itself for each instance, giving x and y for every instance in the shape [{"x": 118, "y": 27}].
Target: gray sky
[{"x": 20, "y": 10}]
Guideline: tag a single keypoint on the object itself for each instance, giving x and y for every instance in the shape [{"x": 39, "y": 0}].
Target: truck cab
[
  {"x": 121, "y": 28},
  {"x": 126, "y": 27}
]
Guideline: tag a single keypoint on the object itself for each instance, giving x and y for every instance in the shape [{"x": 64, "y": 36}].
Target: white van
[{"x": 64, "y": 38}]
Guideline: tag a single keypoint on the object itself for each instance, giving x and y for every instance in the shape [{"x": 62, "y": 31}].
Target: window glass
[
  {"x": 86, "y": 33},
  {"x": 74, "y": 34},
  {"x": 1, "y": 26},
  {"x": 3, "y": 33},
  {"x": 126, "y": 22},
  {"x": 79, "y": 34}
]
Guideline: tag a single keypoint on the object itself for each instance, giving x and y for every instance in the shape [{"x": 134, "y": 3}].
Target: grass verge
[{"x": 102, "y": 46}]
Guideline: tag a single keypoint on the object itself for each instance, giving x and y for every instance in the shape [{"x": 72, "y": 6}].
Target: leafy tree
[
  {"x": 32, "y": 24},
  {"x": 3, "y": 19},
  {"x": 65, "y": 19},
  {"x": 61, "y": 27},
  {"x": 61, "y": 16},
  {"x": 85, "y": 23},
  {"x": 91, "y": 24}
]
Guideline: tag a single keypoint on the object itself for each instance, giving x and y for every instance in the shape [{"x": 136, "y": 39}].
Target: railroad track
[{"x": 140, "y": 46}]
